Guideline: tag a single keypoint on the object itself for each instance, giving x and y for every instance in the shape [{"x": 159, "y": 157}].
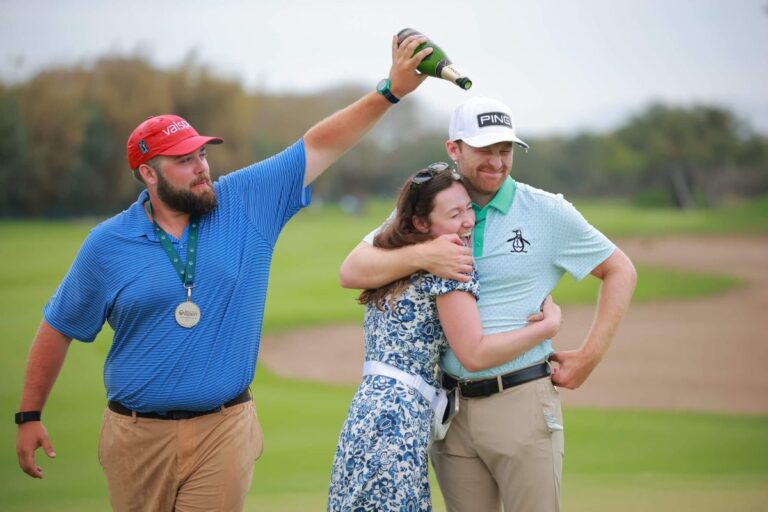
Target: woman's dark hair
[{"x": 416, "y": 199}]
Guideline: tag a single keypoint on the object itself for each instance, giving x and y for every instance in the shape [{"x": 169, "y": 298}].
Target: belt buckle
[
  {"x": 181, "y": 415},
  {"x": 460, "y": 383},
  {"x": 499, "y": 383}
]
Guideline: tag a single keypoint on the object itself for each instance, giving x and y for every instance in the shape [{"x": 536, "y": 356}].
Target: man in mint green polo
[{"x": 505, "y": 445}]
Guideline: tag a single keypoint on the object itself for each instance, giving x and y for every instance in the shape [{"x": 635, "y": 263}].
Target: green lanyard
[{"x": 186, "y": 273}]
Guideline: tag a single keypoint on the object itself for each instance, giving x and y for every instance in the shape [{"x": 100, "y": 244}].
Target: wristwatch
[
  {"x": 383, "y": 88},
  {"x": 25, "y": 416}
]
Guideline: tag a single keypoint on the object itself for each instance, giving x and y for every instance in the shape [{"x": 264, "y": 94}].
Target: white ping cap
[{"x": 481, "y": 122}]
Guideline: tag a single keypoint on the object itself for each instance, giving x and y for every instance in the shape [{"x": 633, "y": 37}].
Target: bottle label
[{"x": 450, "y": 73}]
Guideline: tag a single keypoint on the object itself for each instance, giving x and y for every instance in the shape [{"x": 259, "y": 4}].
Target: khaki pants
[
  {"x": 199, "y": 464},
  {"x": 503, "y": 449}
]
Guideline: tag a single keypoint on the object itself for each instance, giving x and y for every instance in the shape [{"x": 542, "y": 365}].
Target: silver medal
[{"x": 187, "y": 314}]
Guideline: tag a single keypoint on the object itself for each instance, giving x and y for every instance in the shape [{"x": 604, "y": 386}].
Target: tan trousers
[
  {"x": 198, "y": 464},
  {"x": 505, "y": 449}
]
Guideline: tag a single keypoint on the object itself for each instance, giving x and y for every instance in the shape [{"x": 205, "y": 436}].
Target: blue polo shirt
[
  {"x": 525, "y": 239},
  {"x": 122, "y": 275}
]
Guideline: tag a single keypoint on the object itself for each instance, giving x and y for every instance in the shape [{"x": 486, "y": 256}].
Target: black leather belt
[
  {"x": 119, "y": 408},
  {"x": 487, "y": 387}
]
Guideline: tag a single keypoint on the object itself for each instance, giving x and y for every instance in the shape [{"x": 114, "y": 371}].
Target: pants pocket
[
  {"x": 549, "y": 397},
  {"x": 257, "y": 438},
  {"x": 104, "y": 438}
]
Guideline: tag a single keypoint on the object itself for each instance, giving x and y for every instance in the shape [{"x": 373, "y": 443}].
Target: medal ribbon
[{"x": 185, "y": 272}]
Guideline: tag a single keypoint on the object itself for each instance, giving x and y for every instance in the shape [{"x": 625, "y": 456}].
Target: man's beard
[{"x": 185, "y": 201}]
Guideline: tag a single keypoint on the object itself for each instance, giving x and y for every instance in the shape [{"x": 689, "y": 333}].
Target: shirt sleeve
[
  {"x": 580, "y": 246},
  {"x": 78, "y": 307},
  {"x": 272, "y": 190},
  {"x": 434, "y": 285}
]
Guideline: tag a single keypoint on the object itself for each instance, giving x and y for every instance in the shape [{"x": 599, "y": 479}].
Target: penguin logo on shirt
[{"x": 518, "y": 242}]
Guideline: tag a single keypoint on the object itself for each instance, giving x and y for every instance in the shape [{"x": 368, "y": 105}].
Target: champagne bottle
[{"x": 437, "y": 63}]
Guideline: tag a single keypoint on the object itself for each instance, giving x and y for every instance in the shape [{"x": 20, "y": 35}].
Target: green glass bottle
[{"x": 437, "y": 63}]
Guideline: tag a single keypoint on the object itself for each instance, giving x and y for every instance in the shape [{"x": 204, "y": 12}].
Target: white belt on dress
[{"x": 433, "y": 395}]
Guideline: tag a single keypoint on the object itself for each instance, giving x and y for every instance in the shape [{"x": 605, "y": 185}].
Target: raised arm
[
  {"x": 368, "y": 267},
  {"x": 46, "y": 357},
  {"x": 461, "y": 323},
  {"x": 333, "y": 136},
  {"x": 619, "y": 278}
]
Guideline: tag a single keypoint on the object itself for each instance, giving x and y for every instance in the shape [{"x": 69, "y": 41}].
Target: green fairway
[
  {"x": 617, "y": 219},
  {"x": 652, "y": 458},
  {"x": 615, "y": 460}
]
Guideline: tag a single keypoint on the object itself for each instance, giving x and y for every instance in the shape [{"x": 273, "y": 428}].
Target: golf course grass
[{"x": 615, "y": 460}]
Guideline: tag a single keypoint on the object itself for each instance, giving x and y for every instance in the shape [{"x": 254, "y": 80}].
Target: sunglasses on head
[{"x": 430, "y": 172}]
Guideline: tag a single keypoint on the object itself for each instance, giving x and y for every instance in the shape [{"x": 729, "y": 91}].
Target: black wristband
[{"x": 25, "y": 416}]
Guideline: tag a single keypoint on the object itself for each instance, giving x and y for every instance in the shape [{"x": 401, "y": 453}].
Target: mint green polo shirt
[{"x": 525, "y": 239}]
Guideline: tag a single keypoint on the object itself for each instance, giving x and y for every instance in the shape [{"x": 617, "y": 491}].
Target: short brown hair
[{"x": 153, "y": 163}]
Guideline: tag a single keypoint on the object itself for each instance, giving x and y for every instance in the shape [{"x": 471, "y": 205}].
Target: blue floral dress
[{"x": 381, "y": 458}]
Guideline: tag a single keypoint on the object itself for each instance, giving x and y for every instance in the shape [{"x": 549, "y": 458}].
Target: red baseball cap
[{"x": 164, "y": 135}]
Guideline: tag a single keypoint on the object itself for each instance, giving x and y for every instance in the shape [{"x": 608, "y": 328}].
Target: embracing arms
[
  {"x": 368, "y": 267},
  {"x": 461, "y": 323}
]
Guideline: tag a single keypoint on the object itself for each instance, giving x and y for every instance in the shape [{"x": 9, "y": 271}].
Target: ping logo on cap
[
  {"x": 143, "y": 147},
  {"x": 494, "y": 119}
]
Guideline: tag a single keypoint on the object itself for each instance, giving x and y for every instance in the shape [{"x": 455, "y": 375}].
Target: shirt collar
[
  {"x": 502, "y": 201},
  {"x": 137, "y": 223}
]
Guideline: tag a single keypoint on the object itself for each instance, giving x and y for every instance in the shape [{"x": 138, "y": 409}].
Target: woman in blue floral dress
[{"x": 381, "y": 458}]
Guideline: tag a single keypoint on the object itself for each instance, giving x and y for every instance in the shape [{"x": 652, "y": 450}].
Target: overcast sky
[{"x": 562, "y": 65}]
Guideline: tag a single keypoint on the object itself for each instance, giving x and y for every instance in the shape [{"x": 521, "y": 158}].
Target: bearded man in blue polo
[{"x": 181, "y": 277}]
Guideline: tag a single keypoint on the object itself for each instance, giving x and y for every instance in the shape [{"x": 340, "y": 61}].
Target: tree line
[{"x": 63, "y": 134}]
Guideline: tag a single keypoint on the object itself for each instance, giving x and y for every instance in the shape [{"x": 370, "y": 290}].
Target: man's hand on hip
[{"x": 574, "y": 367}]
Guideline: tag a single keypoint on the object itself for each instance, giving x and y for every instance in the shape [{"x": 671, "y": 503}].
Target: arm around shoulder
[{"x": 368, "y": 267}]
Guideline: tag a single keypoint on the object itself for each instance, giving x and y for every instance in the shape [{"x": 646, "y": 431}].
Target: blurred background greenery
[{"x": 62, "y": 136}]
